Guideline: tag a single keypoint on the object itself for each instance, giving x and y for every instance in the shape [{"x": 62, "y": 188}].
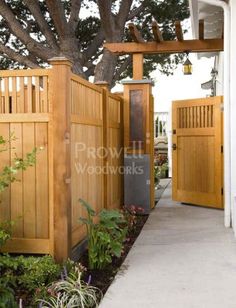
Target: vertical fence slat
[
  {"x": 29, "y": 95},
  {"x": 21, "y": 99},
  {"x": 6, "y": 92},
  {"x": 14, "y": 96},
  {"x": 37, "y": 95},
  {"x": 16, "y": 188}
]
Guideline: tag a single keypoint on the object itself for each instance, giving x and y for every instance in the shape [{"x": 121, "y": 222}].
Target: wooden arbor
[
  {"x": 138, "y": 101},
  {"x": 139, "y": 47}
]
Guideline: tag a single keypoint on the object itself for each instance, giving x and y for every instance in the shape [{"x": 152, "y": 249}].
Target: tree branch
[
  {"x": 10, "y": 53},
  {"x": 16, "y": 28},
  {"x": 106, "y": 17},
  {"x": 121, "y": 69},
  {"x": 135, "y": 12},
  {"x": 34, "y": 8},
  {"x": 124, "y": 12},
  {"x": 74, "y": 14},
  {"x": 93, "y": 47},
  {"x": 57, "y": 13}
]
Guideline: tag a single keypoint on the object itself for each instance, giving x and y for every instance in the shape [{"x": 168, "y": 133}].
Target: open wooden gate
[{"x": 198, "y": 151}]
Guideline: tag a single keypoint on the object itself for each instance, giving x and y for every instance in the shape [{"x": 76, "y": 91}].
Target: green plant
[
  {"x": 71, "y": 292},
  {"x": 106, "y": 237},
  {"x": 5, "y": 231},
  {"x": 27, "y": 273},
  {"x": 7, "y": 298}
]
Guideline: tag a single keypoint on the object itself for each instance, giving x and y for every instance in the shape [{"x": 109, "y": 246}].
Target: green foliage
[
  {"x": 106, "y": 237},
  {"x": 5, "y": 231},
  {"x": 71, "y": 291},
  {"x": 8, "y": 174},
  {"x": 7, "y": 298},
  {"x": 27, "y": 273}
]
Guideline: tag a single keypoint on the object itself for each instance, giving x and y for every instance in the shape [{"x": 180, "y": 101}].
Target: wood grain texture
[{"x": 197, "y": 161}]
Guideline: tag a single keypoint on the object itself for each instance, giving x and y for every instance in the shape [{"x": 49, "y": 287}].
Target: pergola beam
[
  {"x": 207, "y": 45},
  {"x": 201, "y": 29},
  {"x": 136, "y": 35},
  {"x": 179, "y": 31},
  {"x": 156, "y": 32}
]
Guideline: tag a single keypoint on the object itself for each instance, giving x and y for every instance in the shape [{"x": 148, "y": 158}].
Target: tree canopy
[{"x": 31, "y": 32}]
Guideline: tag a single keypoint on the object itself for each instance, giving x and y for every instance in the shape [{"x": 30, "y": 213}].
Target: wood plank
[
  {"x": 6, "y": 95},
  {"x": 44, "y": 95},
  {"x": 197, "y": 162},
  {"x": 17, "y": 187},
  {"x": 179, "y": 31},
  {"x": 156, "y": 32},
  {"x": 29, "y": 95},
  {"x": 25, "y": 72},
  {"x": 5, "y": 203},
  {"x": 138, "y": 66},
  {"x": 207, "y": 45},
  {"x": 20, "y": 245},
  {"x": 85, "y": 120},
  {"x": 85, "y": 83},
  {"x": 37, "y": 95},
  {"x": 14, "y": 96},
  {"x": 135, "y": 33},
  {"x": 60, "y": 97},
  {"x": 42, "y": 184},
  {"x": 29, "y": 193},
  {"x": 21, "y": 100},
  {"x": 24, "y": 118}
]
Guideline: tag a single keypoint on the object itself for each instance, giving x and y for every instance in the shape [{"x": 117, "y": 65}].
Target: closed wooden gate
[{"x": 197, "y": 152}]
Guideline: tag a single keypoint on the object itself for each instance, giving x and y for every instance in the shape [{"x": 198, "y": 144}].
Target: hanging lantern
[{"x": 187, "y": 67}]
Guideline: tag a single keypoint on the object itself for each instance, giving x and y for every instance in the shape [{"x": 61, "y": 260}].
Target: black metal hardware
[{"x": 174, "y": 147}]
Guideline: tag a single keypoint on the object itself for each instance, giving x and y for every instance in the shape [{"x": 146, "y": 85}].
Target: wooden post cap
[
  {"x": 60, "y": 61},
  {"x": 102, "y": 84}
]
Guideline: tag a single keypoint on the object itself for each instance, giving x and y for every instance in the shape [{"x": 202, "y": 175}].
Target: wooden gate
[{"x": 197, "y": 152}]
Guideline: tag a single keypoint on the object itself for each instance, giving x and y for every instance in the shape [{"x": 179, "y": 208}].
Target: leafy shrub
[
  {"x": 27, "y": 273},
  {"x": 71, "y": 291},
  {"x": 7, "y": 298},
  {"x": 105, "y": 238}
]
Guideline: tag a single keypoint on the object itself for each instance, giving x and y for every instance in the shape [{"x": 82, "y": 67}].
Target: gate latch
[{"x": 174, "y": 147}]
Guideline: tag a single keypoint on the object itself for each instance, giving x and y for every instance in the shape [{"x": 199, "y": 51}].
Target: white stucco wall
[{"x": 233, "y": 110}]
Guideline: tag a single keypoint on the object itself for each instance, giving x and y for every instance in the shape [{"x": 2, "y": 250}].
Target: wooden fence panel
[
  {"x": 28, "y": 99},
  {"x": 86, "y": 142},
  {"x": 24, "y": 120},
  {"x": 115, "y": 150}
]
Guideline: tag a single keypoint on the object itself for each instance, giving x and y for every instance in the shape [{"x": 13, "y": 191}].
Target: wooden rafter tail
[
  {"x": 179, "y": 31},
  {"x": 135, "y": 33},
  {"x": 156, "y": 32},
  {"x": 201, "y": 29}
]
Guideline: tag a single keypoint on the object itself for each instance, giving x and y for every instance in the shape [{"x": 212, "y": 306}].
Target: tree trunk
[{"x": 105, "y": 69}]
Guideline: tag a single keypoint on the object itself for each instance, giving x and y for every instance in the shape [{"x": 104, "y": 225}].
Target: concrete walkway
[{"x": 183, "y": 258}]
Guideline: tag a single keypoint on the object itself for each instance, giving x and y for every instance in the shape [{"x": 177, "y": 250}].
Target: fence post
[
  {"x": 60, "y": 101},
  {"x": 104, "y": 85}
]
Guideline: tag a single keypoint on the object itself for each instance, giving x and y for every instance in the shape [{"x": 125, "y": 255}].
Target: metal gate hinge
[
  {"x": 222, "y": 191},
  {"x": 222, "y": 107},
  {"x": 222, "y": 149}
]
